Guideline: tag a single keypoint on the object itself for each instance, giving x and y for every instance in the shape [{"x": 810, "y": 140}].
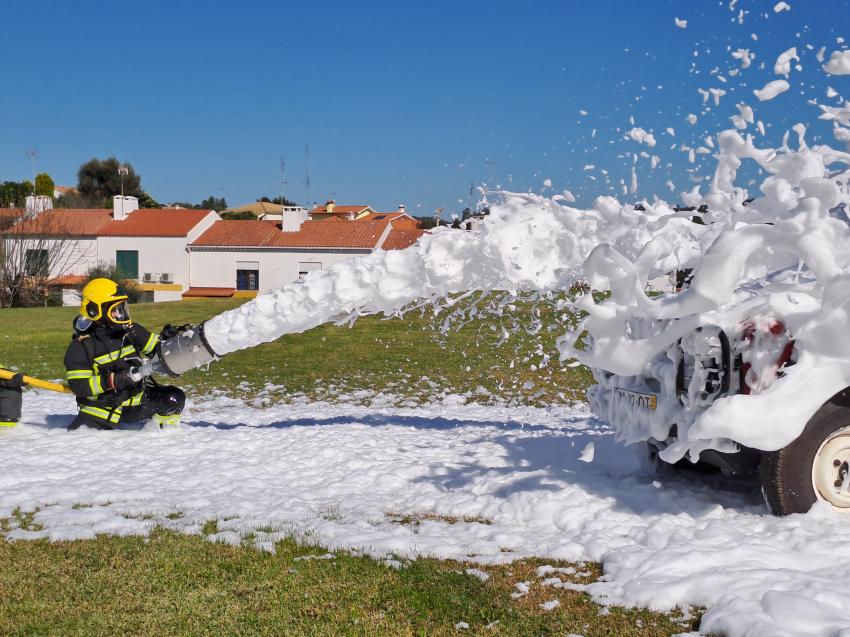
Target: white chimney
[
  {"x": 292, "y": 218},
  {"x": 329, "y": 206},
  {"x": 401, "y": 208},
  {"x": 38, "y": 203},
  {"x": 123, "y": 206}
]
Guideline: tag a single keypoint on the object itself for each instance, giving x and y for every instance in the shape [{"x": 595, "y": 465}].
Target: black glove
[
  {"x": 15, "y": 382},
  {"x": 129, "y": 377},
  {"x": 170, "y": 330}
]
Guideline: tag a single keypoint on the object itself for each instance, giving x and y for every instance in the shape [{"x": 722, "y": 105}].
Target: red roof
[
  {"x": 401, "y": 239},
  {"x": 10, "y": 213},
  {"x": 385, "y": 216},
  {"x": 91, "y": 222},
  {"x": 155, "y": 222},
  {"x": 224, "y": 293},
  {"x": 312, "y": 234},
  {"x": 67, "y": 280},
  {"x": 337, "y": 210},
  {"x": 65, "y": 222}
]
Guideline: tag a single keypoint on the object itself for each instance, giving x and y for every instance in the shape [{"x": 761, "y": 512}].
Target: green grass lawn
[
  {"x": 406, "y": 357},
  {"x": 174, "y": 585},
  {"x": 170, "y": 584}
]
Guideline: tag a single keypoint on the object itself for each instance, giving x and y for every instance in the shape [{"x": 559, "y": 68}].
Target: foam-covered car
[{"x": 747, "y": 370}]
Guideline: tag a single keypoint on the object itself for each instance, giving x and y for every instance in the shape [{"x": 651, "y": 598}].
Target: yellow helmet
[{"x": 102, "y": 303}]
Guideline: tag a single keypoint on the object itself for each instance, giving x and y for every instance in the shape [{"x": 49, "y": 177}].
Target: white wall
[
  {"x": 156, "y": 254},
  {"x": 217, "y": 268},
  {"x": 66, "y": 256}
]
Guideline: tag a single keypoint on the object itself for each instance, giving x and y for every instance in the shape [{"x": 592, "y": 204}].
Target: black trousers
[
  {"x": 10, "y": 404},
  {"x": 163, "y": 400}
]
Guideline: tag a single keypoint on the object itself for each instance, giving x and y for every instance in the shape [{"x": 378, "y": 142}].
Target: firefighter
[
  {"x": 10, "y": 401},
  {"x": 107, "y": 365}
]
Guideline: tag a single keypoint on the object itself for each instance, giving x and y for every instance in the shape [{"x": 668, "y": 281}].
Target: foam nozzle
[{"x": 186, "y": 350}]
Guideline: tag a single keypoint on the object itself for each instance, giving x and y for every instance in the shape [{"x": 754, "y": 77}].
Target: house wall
[
  {"x": 66, "y": 256},
  {"x": 156, "y": 255},
  {"x": 216, "y": 268}
]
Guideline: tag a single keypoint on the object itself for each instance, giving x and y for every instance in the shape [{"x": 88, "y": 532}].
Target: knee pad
[{"x": 167, "y": 421}]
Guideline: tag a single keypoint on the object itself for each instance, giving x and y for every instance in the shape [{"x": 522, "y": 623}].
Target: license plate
[{"x": 639, "y": 399}]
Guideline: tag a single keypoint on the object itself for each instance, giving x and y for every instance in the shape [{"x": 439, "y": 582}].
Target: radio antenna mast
[
  {"x": 307, "y": 173},
  {"x": 283, "y": 181}
]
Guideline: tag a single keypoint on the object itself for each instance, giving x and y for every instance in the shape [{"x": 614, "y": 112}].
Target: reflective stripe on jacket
[{"x": 95, "y": 354}]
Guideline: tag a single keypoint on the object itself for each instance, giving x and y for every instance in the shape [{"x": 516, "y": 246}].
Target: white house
[
  {"x": 241, "y": 258},
  {"x": 180, "y": 253},
  {"x": 146, "y": 244}
]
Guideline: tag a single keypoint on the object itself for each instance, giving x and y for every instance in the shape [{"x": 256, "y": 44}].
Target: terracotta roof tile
[
  {"x": 164, "y": 222},
  {"x": 313, "y": 234},
  {"x": 399, "y": 239},
  {"x": 67, "y": 280},
  {"x": 11, "y": 213},
  {"x": 155, "y": 222},
  {"x": 337, "y": 209},
  {"x": 74, "y": 222}
]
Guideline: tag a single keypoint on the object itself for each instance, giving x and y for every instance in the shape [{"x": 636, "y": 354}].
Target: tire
[{"x": 813, "y": 467}]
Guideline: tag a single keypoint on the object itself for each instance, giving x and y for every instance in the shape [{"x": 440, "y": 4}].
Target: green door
[{"x": 127, "y": 263}]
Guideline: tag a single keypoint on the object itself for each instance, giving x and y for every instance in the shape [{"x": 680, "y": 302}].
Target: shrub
[{"x": 128, "y": 287}]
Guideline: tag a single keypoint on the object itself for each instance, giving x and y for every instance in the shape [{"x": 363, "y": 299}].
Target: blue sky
[{"x": 399, "y": 102}]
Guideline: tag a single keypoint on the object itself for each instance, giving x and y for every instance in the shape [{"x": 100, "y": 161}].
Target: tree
[
  {"x": 98, "y": 181},
  {"x": 146, "y": 201},
  {"x": 44, "y": 185},
  {"x": 213, "y": 203},
  {"x": 14, "y": 194},
  {"x": 281, "y": 201},
  {"x": 32, "y": 250},
  {"x": 426, "y": 222},
  {"x": 127, "y": 287},
  {"x": 230, "y": 216}
]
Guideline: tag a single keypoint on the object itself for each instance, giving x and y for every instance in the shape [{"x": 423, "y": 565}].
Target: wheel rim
[{"x": 831, "y": 470}]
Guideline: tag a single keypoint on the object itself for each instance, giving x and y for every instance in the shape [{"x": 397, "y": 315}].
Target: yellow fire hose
[{"x": 35, "y": 382}]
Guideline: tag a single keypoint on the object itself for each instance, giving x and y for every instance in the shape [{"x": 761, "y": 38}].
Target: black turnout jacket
[{"x": 94, "y": 361}]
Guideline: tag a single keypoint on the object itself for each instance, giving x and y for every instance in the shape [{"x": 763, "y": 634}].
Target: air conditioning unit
[
  {"x": 167, "y": 277},
  {"x": 149, "y": 277}
]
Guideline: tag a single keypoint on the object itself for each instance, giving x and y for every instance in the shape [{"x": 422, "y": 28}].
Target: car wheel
[{"x": 816, "y": 466}]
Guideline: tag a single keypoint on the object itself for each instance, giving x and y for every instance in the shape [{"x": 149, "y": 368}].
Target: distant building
[
  {"x": 268, "y": 211},
  {"x": 254, "y": 256},
  {"x": 58, "y": 191},
  {"x": 148, "y": 245},
  {"x": 179, "y": 253},
  {"x": 342, "y": 213}
]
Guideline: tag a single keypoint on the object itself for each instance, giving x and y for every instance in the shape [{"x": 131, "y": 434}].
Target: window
[
  {"x": 247, "y": 279},
  {"x": 306, "y": 266},
  {"x": 247, "y": 275},
  {"x": 37, "y": 263},
  {"x": 127, "y": 263}
]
